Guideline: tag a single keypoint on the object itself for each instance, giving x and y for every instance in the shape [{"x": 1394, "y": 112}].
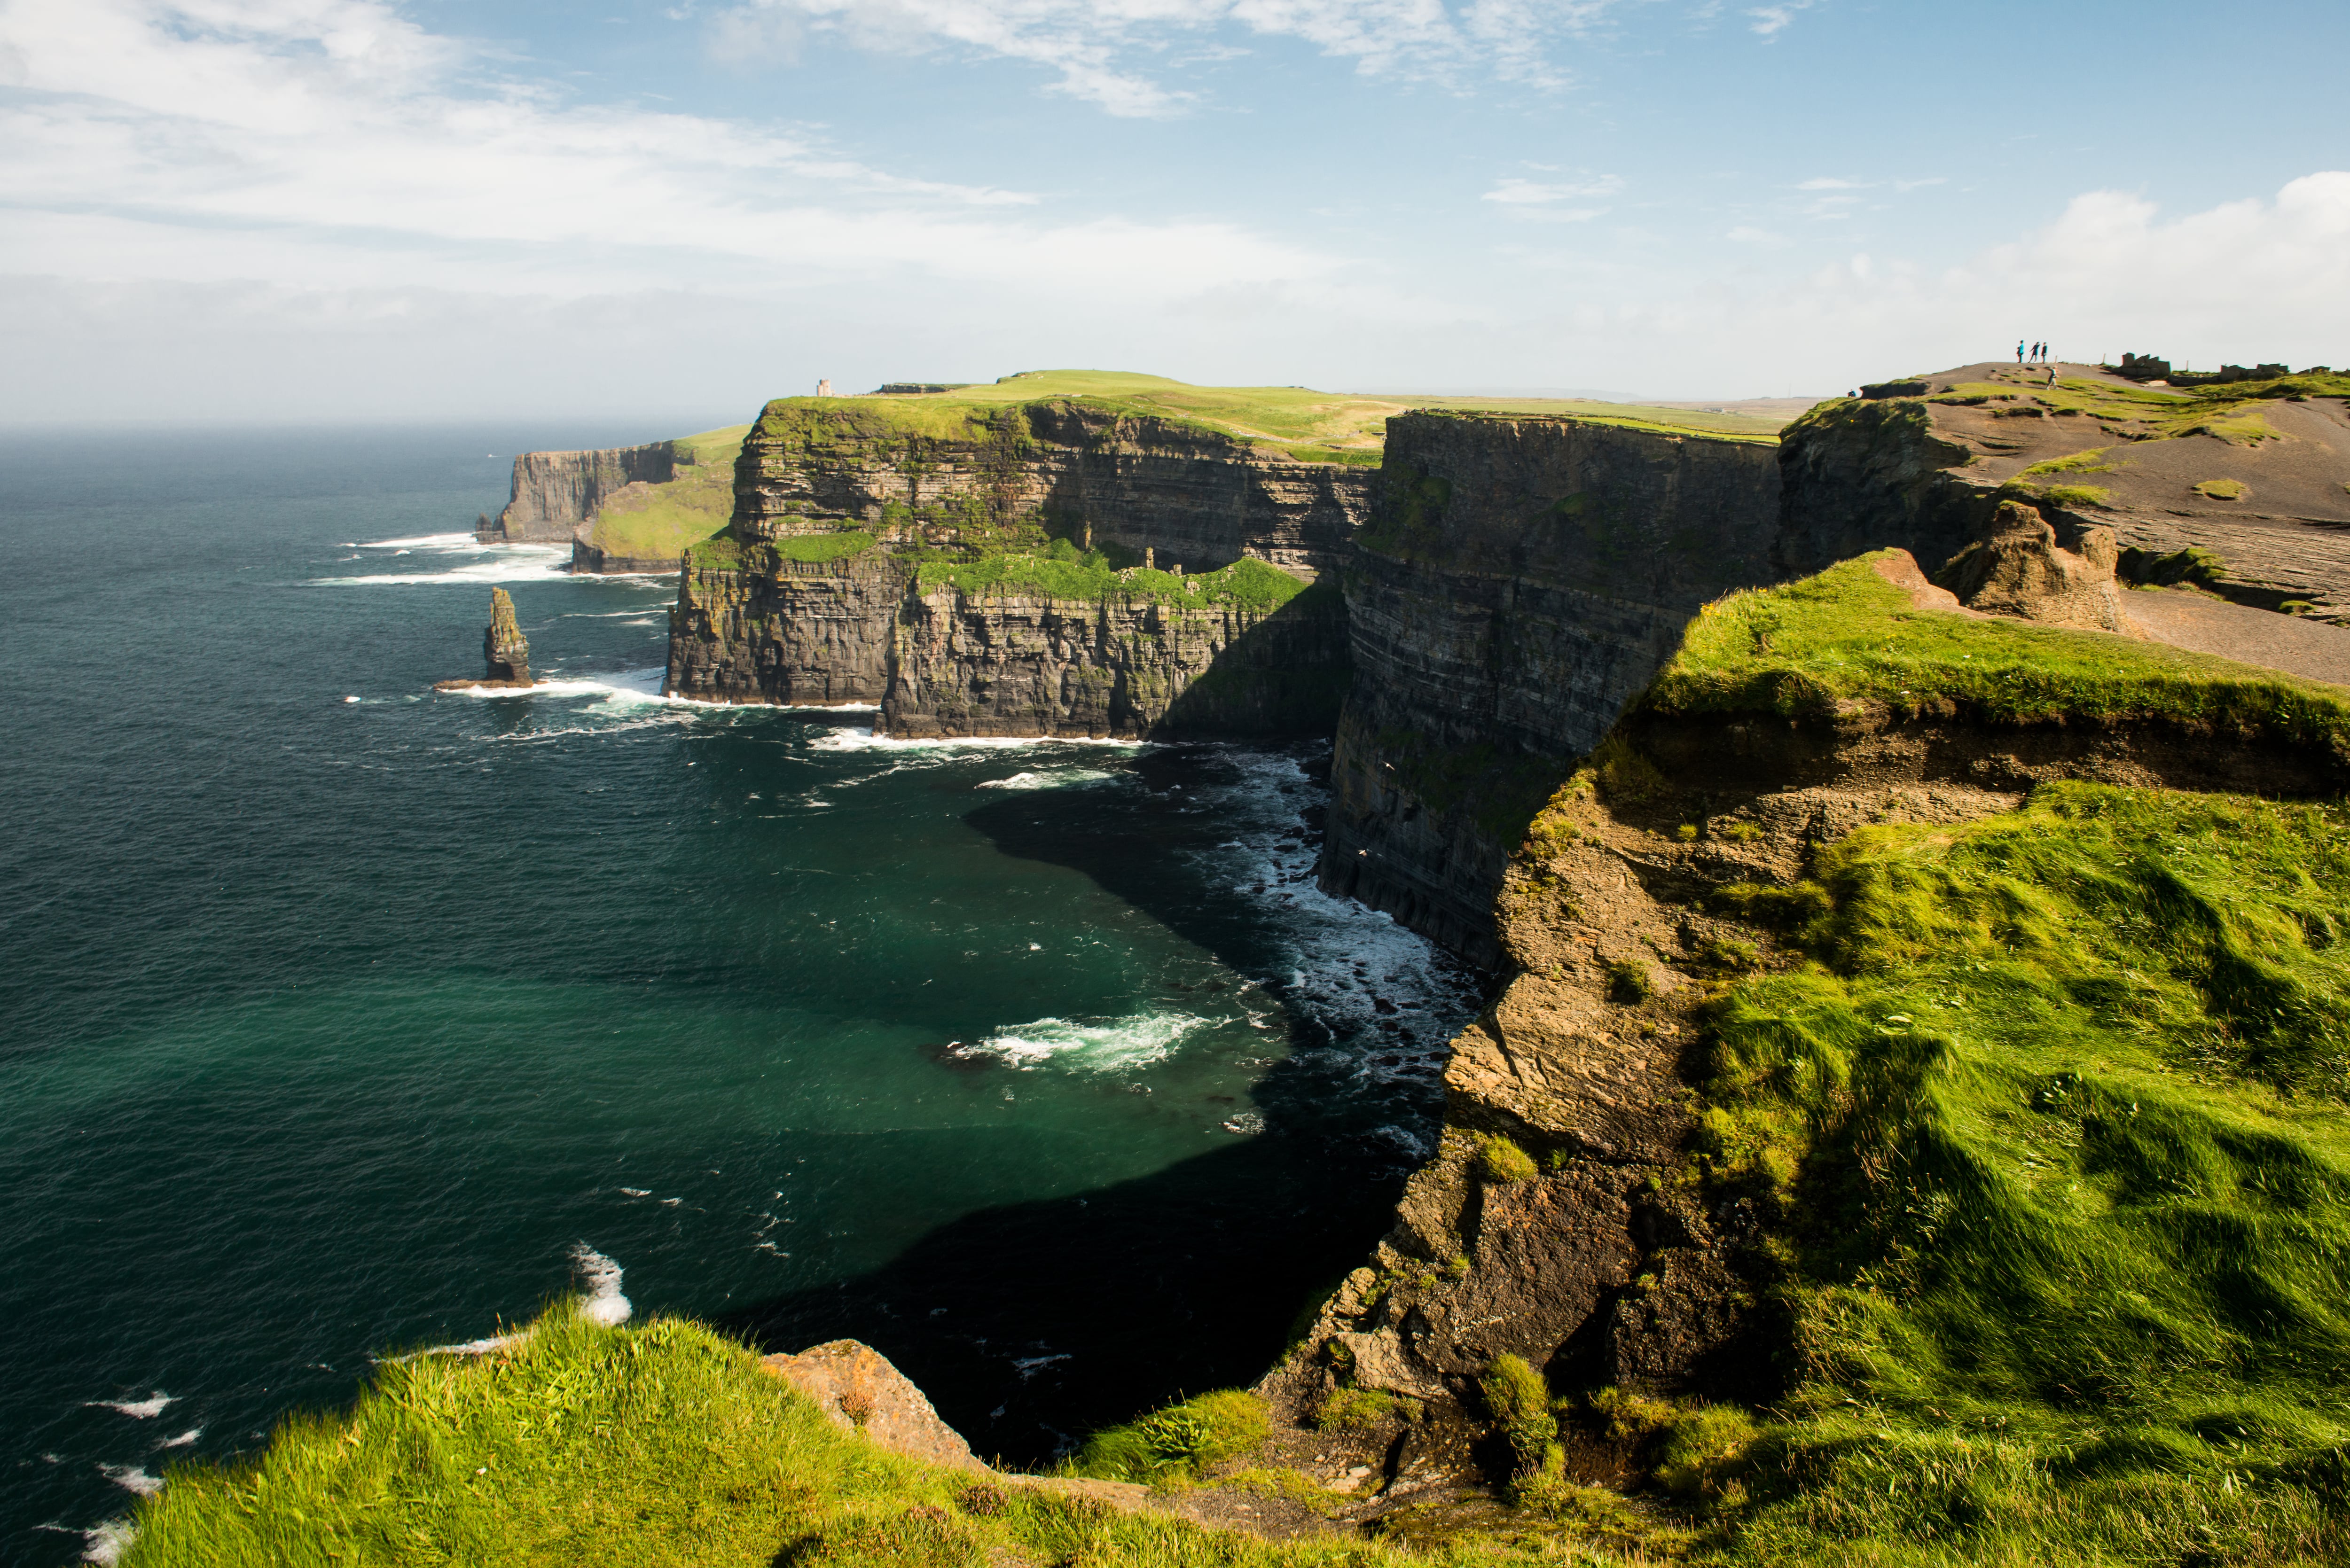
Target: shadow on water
[{"x": 1033, "y": 1323}]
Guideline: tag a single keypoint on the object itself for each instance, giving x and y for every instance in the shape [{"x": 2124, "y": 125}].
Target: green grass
[
  {"x": 718, "y": 446},
  {"x": 1062, "y": 572},
  {"x": 2050, "y": 1127},
  {"x": 2090, "y": 461},
  {"x": 2231, "y": 411},
  {"x": 2222, "y": 488},
  {"x": 1848, "y": 635},
  {"x": 652, "y": 1446},
  {"x": 1175, "y": 1445},
  {"x": 664, "y": 523},
  {"x": 1296, "y": 423}
]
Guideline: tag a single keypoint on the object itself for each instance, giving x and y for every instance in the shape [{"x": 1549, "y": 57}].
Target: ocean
[{"x": 341, "y": 1017}]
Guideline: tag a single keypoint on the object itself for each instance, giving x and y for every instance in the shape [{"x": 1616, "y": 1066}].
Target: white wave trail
[
  {"x": 865, "y": 740},
  {"x": 603, "y": 1302},
  {"x": 423, "y": 542},
  {"x": 133, "y": 1479},
  {"x": 106, "y": 1544},
  {"x": 145, "y": 1409},
  {"x": 1060, "y": 780},
  {"x": 1101, "y": 1048}
]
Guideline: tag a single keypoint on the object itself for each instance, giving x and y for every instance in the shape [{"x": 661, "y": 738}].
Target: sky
[{"x": 271, "y": 211}]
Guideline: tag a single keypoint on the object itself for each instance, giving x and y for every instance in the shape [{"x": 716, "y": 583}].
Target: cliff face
[
  {"x": 945, "y": 662},
  {"x": 1518, "y": 581},
  {"x": 1026, "y": 665},
  {"x": 1197, "y": 498},
  {"x": 555, "y": 493}
]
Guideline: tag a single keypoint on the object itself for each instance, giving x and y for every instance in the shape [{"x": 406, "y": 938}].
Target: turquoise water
[{"x": 342, "y": 1016}]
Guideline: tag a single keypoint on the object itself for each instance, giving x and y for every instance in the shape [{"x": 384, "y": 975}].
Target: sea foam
[
  {"x": 1106, "y": 1046},
  {"x": 145, "y": 1409}
]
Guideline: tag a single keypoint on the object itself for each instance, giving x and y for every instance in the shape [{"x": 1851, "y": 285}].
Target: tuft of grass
[
  {"x": 1519, "y": 1401},
  {"x": 1629, "y": 982},
  {"x": 2090, "y": 461},
  {"x": 1174, "y": 1445},
  {"x": 2221, "y": 489},
  {"x": 2052, "y": 1126},
  {"x": 1847, "y": 635},
  {"x": 1360, "y": 1409},
  {"x": 1502, "y": 1161},
  {"x": 2079, "y": 495}
]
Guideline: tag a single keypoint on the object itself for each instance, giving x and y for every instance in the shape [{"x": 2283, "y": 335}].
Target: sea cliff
[{"x": 556, "y": 493}]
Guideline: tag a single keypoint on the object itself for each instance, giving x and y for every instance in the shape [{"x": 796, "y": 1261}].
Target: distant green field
[{"x": 695, "y": 505}]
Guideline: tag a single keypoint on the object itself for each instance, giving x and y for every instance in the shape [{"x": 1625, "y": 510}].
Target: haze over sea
[{"x": 341, "y": 1017}]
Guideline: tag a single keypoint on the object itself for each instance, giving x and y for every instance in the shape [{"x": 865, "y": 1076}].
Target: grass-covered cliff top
[
  {"x": 1295, "y": 422},
  {"x": 2048, "y": 1124},
  {"x": 663, "y": 1446},
  {"x": 661, "y": 523},
  {"x": 1849, "y": 635}
]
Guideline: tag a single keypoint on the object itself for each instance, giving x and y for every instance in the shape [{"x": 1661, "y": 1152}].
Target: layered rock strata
[
  {"x": 556, "y": 493},
  {"x": 1198, "y": 498},
  {"x": 944, "y": 663},
  {"x": 504, "y": 647},
  {"x": 1519, "y": 580}
]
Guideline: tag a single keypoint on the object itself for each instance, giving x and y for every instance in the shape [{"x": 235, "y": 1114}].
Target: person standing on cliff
[{"x": 2018, "y": 350}]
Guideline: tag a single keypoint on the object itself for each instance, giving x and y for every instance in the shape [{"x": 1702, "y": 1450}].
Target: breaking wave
[{"x": 1108, "y": 1046}]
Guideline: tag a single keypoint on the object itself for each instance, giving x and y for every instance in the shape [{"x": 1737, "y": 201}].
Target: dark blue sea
[{"x": 340, "y": 1017}]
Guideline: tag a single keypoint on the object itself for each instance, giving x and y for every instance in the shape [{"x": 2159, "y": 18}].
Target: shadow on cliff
[{"x": 1283, "y": 679}]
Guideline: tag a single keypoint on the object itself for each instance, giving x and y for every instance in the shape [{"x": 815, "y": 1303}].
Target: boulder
[
  {"x": 857, "y": 1388},
  {"x": 2019, "y": 569}
]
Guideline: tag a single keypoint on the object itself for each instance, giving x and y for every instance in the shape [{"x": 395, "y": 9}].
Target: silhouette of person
[{"x": 2018, "y": 350}]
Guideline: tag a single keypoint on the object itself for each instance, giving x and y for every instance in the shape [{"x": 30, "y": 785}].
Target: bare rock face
[
  {"x": 858, "y": 1389},
  {"x": 2019, "y": 569},
  {"x": 502, "y": 644},
  {"x": 554, "y": 494}
]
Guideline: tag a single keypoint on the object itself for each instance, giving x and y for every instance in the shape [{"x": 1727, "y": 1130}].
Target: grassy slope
[
  {"x": 695, "y": 505},
  {"x": 663, "y": 1444},
  {"x": 2052, "y": 1122},
  {"x": 2044, "y": 1114}
]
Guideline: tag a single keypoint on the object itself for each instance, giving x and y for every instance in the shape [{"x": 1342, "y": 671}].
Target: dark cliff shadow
[
  {"x": 1280, "y": 680},
  {"x": 1032, "y": 1324}
]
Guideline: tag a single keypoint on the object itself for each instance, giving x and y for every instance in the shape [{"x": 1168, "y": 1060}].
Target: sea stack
[{"x": 503, "y": 643}]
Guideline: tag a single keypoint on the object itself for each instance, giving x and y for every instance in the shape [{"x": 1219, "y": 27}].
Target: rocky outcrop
[
  {"x": 1518, "y": 582},
  {"x": 1198, "y": 498},
  {"x": 2018, "y": 569},
  {"x": 858, "y": 1390},
  {"x": 554, "y": 493},
  {"x": 762, "y": 630},
  {"x": 2250, "y": 480}
]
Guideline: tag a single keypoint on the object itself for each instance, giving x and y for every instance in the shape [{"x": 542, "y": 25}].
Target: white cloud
[
  {"x": 1769, "y": 21},
  {"x": 1746, "y": 234},
  {"x": 1513, "y": 190},
  {"x": 1828, "y": 183},
  {"x": 315, "y": 141},
  {"x": 1091, "y": 43}
]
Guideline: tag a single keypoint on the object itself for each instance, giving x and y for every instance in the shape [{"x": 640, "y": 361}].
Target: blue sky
[{"x": 349, "y": 209}]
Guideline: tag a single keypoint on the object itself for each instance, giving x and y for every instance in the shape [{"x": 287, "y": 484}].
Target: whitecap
[
  {"x": 638, "y": 1192},
  {"x": 1059, "y": 779},
  {"x": 603, "y": 1304},
  {"x": 106, "y": 1544},
  {"x": 131, "y": 1478},
  {"x": 1246, "y": 1123},
  {"x": 865, "y": 740},
  {"x": 1098, "y": 1047},
  {"x": 183, "y": 1439},
  {"x": 494, "y": 564},
  {"x": 145, "y": 1409},
  {"x": 423, "y": 542}
]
